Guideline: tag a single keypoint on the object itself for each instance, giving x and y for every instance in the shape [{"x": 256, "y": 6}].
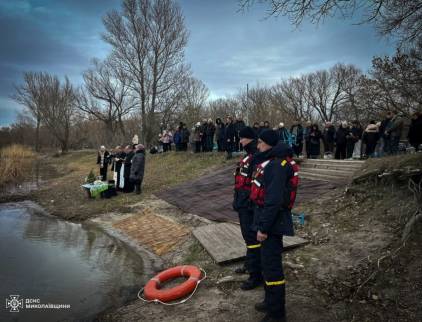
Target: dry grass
[
  {"x": 15, "y": 163},
  {"x": 63, "y": 196},
  {"x": 394, "y": 162}
]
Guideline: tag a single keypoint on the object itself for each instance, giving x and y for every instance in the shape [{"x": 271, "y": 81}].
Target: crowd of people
[
  {"x": 127, "y": 165},
  {"x": 344, "y": 140},
  {"x": 266, "y": 178}
]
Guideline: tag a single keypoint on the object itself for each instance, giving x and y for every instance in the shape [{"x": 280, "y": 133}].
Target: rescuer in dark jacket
[
  {"x": 242, "y": 204},
  {"x": 270, "y": 192}
]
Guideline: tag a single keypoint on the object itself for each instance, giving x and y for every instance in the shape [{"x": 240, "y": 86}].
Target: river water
[{"x": 48, "y": 260}]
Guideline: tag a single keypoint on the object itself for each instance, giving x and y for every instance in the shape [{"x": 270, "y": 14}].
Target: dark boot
[
  {"x": 250, "y": 284},
  {"x": 138, "y": 189},
  {"x": 261, "y": 307},
  {"x": 271, "y": 318}
]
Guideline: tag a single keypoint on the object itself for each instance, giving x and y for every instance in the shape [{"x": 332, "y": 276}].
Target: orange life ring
[{"x": 152, "y": 289}]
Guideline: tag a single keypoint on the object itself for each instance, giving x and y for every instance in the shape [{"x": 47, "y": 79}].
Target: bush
[
  {"x": 15, "y": 162},
  {"x": 91, "y": 177}
]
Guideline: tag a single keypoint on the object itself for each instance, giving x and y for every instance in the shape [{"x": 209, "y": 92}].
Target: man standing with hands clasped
[{"x": 270, "y": 193}]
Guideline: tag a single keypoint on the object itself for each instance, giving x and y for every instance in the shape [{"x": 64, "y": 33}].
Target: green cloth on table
[{"x": 96, "y": 189}]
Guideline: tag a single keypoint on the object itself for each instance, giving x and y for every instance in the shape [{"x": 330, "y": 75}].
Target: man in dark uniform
[
  {"x": 242, "y": 204},
  {"x": 270, "y": 192},
  {"x": 229, "y": 136}
]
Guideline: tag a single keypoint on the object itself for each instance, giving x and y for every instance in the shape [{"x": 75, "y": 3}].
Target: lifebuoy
[{"x": 152, "y": 289}]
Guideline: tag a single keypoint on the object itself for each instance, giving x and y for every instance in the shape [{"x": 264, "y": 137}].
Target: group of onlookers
[
  {"x": 127, "y": 166},
  {"x": 344, "y": 140}
]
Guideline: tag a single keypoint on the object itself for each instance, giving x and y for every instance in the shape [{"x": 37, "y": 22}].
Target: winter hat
[
  {"x": 281, "y": 125},
  {"x": 247, "y": 133},
  {"x": 140, "y": 147},
  {"x": 269, "y": 136}
]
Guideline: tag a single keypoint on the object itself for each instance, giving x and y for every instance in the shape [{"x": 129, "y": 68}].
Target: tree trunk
[
  {"x": 37, "y": 136},
  {"x": 109, "y": 132},
  {"x": 64, "y": 146},
  {"x": 121, "y": 126}
]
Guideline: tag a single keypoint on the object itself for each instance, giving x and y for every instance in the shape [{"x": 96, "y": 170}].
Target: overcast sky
[{"x": 226, "y": 49}]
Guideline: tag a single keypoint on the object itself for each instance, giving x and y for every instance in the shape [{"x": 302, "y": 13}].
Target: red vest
[
  {"x": 258, "y": 190},
  {"x": 294, "y": 182},
  {"x": 242, "y": 180}
]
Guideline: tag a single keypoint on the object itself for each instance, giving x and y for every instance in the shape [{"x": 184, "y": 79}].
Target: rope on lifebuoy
[{"x": 141, "y": 291}]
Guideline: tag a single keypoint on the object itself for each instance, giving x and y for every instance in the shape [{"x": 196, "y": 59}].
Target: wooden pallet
[{"x": 224, "y": 241}]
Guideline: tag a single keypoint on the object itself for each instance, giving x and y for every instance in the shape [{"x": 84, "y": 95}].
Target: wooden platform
[
  {"x": 155, "y": 232},
  {"x": 224, "y": 241}
]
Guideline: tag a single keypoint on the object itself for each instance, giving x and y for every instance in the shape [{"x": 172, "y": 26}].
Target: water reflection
[
  {"x": 39, "y": 172},
  {"x": 62, "y": 262}
]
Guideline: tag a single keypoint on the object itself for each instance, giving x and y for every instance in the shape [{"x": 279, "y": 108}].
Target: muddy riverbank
[{"x": 336, "y": 277}]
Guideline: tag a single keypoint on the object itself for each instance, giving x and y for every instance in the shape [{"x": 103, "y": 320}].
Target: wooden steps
[{"x": 329, "y": 170}]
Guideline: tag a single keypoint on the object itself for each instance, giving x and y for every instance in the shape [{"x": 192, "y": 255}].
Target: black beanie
[
  {"x": 269, "y": 136},
  {"x": 247, "y": 133}
]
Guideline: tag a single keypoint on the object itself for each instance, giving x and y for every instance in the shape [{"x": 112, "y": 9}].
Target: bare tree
[
  {"x": 106, "y": 96},
  {"x": 193, "y": 100},
  {"x": 350, "y": 108},
  {"x": 58, "y": 108},
  {"x": 29, "y": 95},
  {"x": 221, "y": 107},
  {"x": 259, "y": 101},
  {"x": 292, "y": 93},
  {"x": 394, "y": 84},
  {"x": 326, "y": 91},
  {"x": 148, "y": 38},
  {"x": 50, "y": 103},
  {"x": 401, "y": 18}
]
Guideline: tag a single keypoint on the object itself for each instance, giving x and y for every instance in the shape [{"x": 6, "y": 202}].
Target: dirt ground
[
  {"x": 346, "y": 273},
  {"x": 355, "y": 267}
]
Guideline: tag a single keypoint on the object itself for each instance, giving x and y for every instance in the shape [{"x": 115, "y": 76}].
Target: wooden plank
[{"x": 224, "y": 242}]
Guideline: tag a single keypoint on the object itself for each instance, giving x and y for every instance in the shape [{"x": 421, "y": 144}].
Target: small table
[{"x": 94, "y": 189}]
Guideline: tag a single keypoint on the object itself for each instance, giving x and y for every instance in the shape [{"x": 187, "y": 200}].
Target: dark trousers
[
  {"x": 370, "y": 149},
  {"x": 197, "y": 146},
  {"x": 128, "y": 187},
  {"x": 204, "y": 144},
  {"x": 308, "y": 149},
  {"x": 229, "y": 149},
  {"x": 137, "y": 188},
  {"x": 237, "y": 144},
  {"x": 350, "y": 147},
  {"x": 272, "y": 269},
  {"x": 394, "y": 147},
  {"x": 253, "y": 247},
  {"x": 297, "y": 148},
  {"x": 210, "y": 143},
  {"x": 166, "y": 147},
  {"x": 328, "y": 146},
  {"x": 103, "y": 173},
  {"x": 220, "y": 143},
  {"x": 340, "y": 151}
]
